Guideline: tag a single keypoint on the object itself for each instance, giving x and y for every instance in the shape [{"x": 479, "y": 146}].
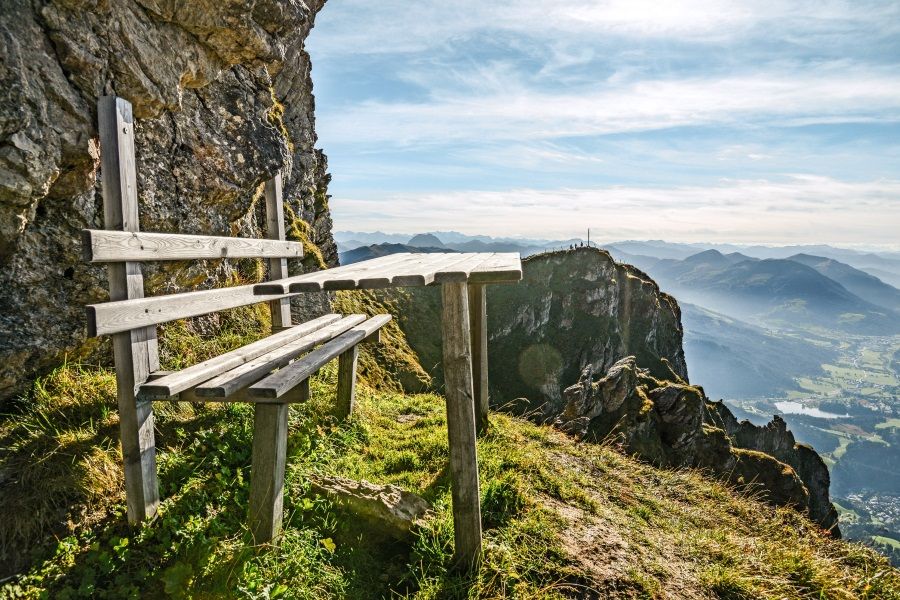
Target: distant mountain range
[
  {"x": 739, "y": 303},
  {"x": 883, "y": 265},
  {"x": 375, "y": 250},
  {"x": 799, "y": 291},
  {"x": 445, "y": 240}
]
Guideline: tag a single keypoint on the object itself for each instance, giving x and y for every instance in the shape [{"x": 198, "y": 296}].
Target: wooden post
[
  {"x": 456, "y": 344},
  {"x": 278, "y": 269},
  {"x": 270, "y": 421},
  {"x": 478, "y": 318},
  {"x": 136, "y": 352},
  {"x": 346, "y": 383}
]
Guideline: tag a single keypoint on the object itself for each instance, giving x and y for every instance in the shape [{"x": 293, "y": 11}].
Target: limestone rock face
[
  {"x": 775, "y": 439},
  {"x": 575, "y": 310},
  {"x": 223, "y": 100},
  {"x": 387, "y": 509},
  {"x": 670, "y": 425}
]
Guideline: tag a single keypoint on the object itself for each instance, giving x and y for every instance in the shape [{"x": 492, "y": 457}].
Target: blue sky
[{"x": 769, "y": 122}]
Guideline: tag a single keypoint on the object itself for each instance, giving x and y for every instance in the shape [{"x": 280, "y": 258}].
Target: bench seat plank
[
  {"x": 282, "y": 381},
  {"x": 169, "y": 385},
  {"x": 115, "y": 246},
  {"x": 250, "y": 372}
]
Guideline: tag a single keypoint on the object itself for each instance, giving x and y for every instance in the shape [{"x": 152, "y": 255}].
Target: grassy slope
[{"x": 561, "y": 518}]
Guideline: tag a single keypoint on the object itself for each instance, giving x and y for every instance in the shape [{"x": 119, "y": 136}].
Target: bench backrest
[
  {"x": 131, "y": 318},
  {"x": 124, "y": 247}
]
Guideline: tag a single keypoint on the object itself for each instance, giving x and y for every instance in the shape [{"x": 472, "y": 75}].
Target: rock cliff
[
  {"x": 596, "y": 348},
  {"x": 223, "y": 99}
]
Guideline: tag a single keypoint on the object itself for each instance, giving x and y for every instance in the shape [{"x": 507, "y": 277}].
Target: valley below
[{"x": 849, "y": 412}]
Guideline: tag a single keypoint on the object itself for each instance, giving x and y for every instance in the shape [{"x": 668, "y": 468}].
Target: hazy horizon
[
  {"x": 722, "y": 121},
  {"x": 886, "y": 248}
]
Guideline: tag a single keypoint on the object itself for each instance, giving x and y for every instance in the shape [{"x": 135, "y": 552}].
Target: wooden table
[{"x": 462, "y": 278}]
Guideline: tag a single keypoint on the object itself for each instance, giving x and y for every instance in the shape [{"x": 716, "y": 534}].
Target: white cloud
[
  {"x": 820, "y": 95},
  {"x": 400, "y": 26},
  {"x": 803, "y": 208}
]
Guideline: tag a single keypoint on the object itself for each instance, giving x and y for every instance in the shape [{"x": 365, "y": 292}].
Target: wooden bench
[
  {"x": 271, "y": 373},
  {"x": 274, "y": 372}
]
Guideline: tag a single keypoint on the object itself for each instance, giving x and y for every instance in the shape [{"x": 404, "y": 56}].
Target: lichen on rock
[{"x": 222, "y": 98}]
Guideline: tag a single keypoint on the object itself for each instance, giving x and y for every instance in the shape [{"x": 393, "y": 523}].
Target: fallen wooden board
[{"x": 114, "y": 246}]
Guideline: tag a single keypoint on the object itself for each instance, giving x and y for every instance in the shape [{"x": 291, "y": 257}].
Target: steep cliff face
[
  {"x": 594, "y": 347},
  {"x": 223, "y": 100},
  {"x": 573, "y": 310}
]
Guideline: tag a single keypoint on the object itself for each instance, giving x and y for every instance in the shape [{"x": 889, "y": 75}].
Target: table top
[{"x": 403, "y": 270}]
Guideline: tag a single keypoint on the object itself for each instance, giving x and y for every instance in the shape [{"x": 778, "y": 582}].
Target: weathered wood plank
[
  {"x": 372, "y": 276},
  {"x": 101, "y": 246},
  {"x": 160, "y": 388},
  {"x": 270, "y": 424},
  {"x": 457, "y": 357},
  {"x": 478, "y": 326},
  {"x": 429, "y": 266},
  {"x": 501, "y": 268},
  {"x": 113, "y": 317},
  {"x": 346, "y": 383},
  {"x": 279, "y": 383},
  {"x": 459, "y": 273},
  {"x": 250, "y": 372},
  {"x": 135, "y": 352},
  {"x": 405, "y": 269},
  {"x": 278, "y": 268},
  {"x": 314, "y": 282}
]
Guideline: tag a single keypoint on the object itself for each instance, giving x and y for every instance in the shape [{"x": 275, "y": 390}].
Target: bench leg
[
  {"x": 478, "y": 319},
  {"x": 456, "y": 344},
  {"x": 270, "y": 432},
  {"x": 346, "y": 383},
  {"x": 270, "y": 423},
  {"x": 136, "y": 425}
]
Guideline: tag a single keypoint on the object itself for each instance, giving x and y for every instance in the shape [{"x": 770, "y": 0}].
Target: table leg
[{"x": 456, "y": 343}]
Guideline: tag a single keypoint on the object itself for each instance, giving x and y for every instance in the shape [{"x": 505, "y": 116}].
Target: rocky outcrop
[
  {"x": 223, "y": 100},
  {"x": 575, "y": 310},
  {"x": 596, "y": 347},
  {"x": 386, "y": 509},
  {"x": 775, "y": 439},
  {"x": 670, "y": 425}
]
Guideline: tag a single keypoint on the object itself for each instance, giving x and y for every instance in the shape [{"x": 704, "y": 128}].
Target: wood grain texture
[
  {"x": 459, "y": 273},
  {"x": 405, "y": 270},
  {"x": 102, "y": 246},
  {"x": 428, "y": 267},
  {"x": 504, "y": 267},
  {"x": 135, "y": 352},
  {"x": 113, "y": 317},
  {"x": 164, "y": 387},
  {"x": 228, "y": 383},
  {"x": 270, "y": 425},
  {"x": 346, "y": 383},
  {"x": 314, "y": 282},
  {"x": 478, "y": 327},
  {"x": 279, "y": 383},
  {"x": 457, "y": 361},
  {"x": 278, "y": 269}
]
